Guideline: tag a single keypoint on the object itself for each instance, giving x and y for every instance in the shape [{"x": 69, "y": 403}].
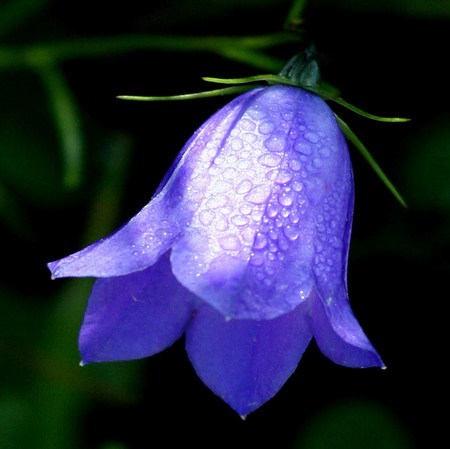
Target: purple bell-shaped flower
[{"x": 243, "y": 248}]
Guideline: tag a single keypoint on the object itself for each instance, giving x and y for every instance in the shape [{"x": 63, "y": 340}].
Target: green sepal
[
  {"x": 193, "y": 96},
  {"x": 353, "y": 138},
  {"x": 326, "y": 92}
]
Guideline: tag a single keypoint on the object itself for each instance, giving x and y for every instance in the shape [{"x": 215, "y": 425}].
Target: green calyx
[{"x": 301, "y": 71}]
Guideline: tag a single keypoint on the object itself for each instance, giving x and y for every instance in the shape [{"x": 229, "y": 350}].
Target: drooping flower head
[{"x": 243, "y": 249}]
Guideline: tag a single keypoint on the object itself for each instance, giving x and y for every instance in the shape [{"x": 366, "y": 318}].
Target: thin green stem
[
  {"x": 294, "y": 17},
  {"x": 94, "y": 47},
  {"x": 68, "y": 123}
]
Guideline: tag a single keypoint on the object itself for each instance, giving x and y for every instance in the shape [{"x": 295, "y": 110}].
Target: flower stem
[
  {"x": 67, "y": 121},
  {"x": 94, "y": 47},
  {"x": 294, "y": 17}
]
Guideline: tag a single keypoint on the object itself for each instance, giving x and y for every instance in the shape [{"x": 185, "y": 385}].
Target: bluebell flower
[{"x": 243, "y": 249}]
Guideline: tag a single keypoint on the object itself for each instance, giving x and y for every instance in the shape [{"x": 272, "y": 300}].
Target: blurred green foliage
[
  {"x": 354, "y": 425},
  {"x": 75, "y": 163}
]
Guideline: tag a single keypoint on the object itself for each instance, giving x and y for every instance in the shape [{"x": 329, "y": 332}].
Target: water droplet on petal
[
  {"x": 221, "y": 223},
  {"x": 229, "y": 173},
  {"x": 247, "y": 124},
  {"x": 266, "y": 127},
  {"x": 291, "y": 232},
  {"x": 260, "y": 241},
  {"x": 303, "y": 147},
  {"x": 317, "y": 162},
  {"x": 206, "y": 217},
  {"x": 236, "y": 144},
  {"x": 245, "y": 209},
  {"x": 276, "y": 142},
  {"x": 297, "y": 186},
  {"x": 270, "y": 159},
  {"x": 272, "y": 210},
  {"x": 312, "y": 137},
  {"x": 286, "y": 199},
  {"x": 244, "y": 186},
  {"x": 230, "y": 243},
  {"x": 216, "y": 201},
  {"x": 295, "y": 165},
  {"x": 249, "y": 137},
  {"x": 258, "y": 195},
  {"x": 240, "y": 220},
  {"x": 279, "y": 176}
]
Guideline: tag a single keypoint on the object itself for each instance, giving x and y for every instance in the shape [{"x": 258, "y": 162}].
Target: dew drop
[
  {"x": 240, "y": 220},
  {"x": 249, "y": 137},
  {"x": 286, "y": 199},
  {"x": 247, "y": 124},
  {"x": 317, "y": 162},
  {"x": 229, "y": 173},
  {"x": 297, "y": 186},
  {"x": 230, "y": 243},
  {"x": 206, "y": 217},
  {"x": 283, "y": 245},
  {"x": 270, "y": 159},
  {"x": 258, "y": 195},
  {"x": 216, "y": 201},
  {"x": 221, "y": 223},
  {"x": 243, "y": 164},
  {"x": 244, "y": 186},
  {"x": 246, "y": 209},
  {"x": 312, "y": 137},
  {"x": 273, "y": 234},
  {"x": 276, "y": 142},
  {"x": 236, "y": 144},
  {"x": 303, "y": 148},
  {"x": 291, "y": 232},
  {"x": 279, "y": 176},
  {"x": 272, "y": 210},
  {"x": 260, "y": 241},
  {"x": 285, "y": 212},
  {"x": 295, "y": 165},
  {"x": 256, "y": 113},
  {"x": 266, "y": 127}
]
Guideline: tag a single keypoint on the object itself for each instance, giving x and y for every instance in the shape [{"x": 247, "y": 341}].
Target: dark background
[{"x": 387, "y": 57}]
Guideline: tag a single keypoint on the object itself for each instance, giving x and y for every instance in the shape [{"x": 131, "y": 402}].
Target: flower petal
[
  {"x": 339, "y": 335},
  {"x": 250, "y": 249},
  {"x": 335, "y": 328},
  {"x": 140, "y": 242},
  {"x": 246, "y": 362},
  {"x": 136, "y": 315}
]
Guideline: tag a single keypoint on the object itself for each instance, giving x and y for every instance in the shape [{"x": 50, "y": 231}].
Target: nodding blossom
[{"x": 242, "y": 249}]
